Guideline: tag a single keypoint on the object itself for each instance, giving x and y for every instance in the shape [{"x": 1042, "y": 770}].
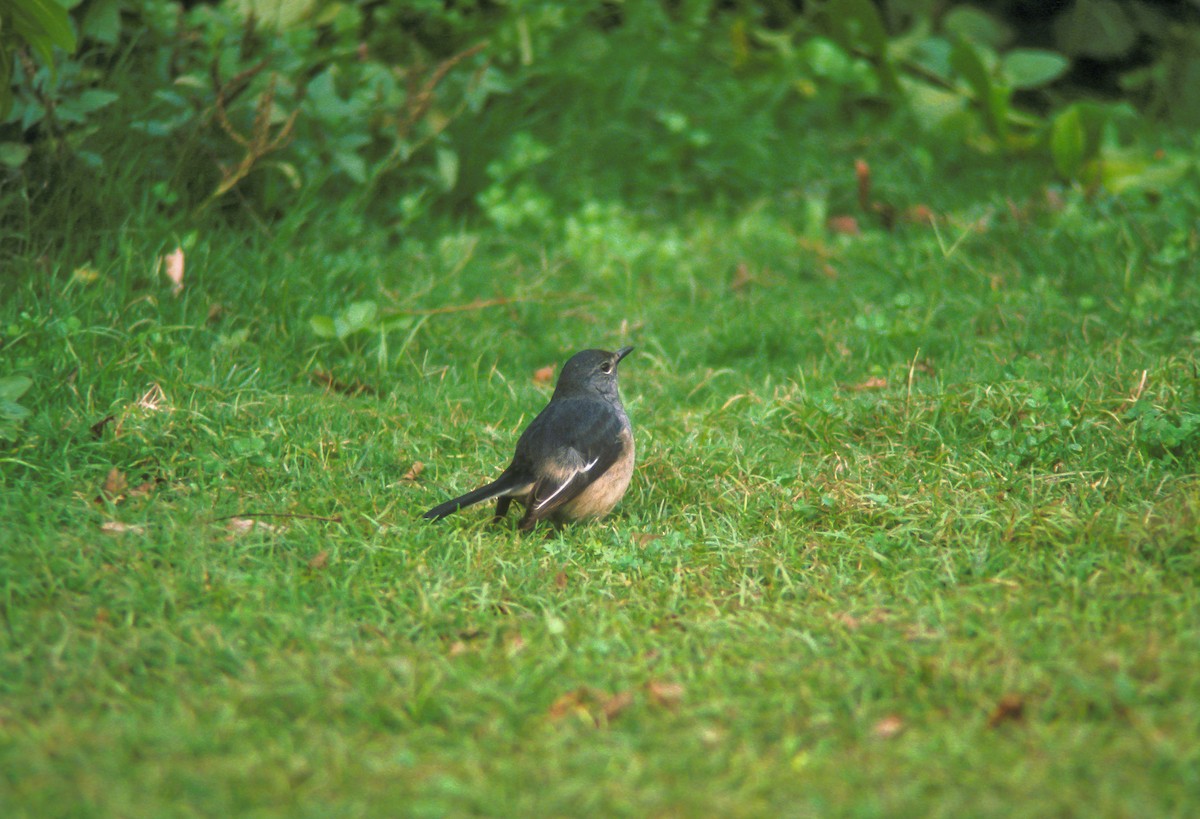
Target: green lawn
[{"x": 913, "y": 530}]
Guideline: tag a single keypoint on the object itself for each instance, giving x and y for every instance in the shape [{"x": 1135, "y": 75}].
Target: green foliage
[
  {"x": 306, "y": 105},
  {"x": 41, "y": 25},
  {"x": 12, "y": 414},
  {"x": 960, "y": 78}
]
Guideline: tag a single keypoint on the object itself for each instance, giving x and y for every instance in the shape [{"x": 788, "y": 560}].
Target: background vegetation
[{"x": 912, "y": 285}]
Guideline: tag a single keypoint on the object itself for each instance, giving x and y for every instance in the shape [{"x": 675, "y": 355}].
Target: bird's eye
[{"x": 606, "y": 367}]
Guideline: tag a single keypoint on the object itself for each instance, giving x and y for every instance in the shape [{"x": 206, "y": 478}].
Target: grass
[{"x": 913, "y": 531}]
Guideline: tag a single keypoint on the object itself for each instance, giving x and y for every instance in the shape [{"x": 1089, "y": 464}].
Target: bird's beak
[{"x": 624, "y": 351}]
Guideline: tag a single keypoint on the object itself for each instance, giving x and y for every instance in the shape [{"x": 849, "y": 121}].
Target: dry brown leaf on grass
[
  {"x": 569, "y": 703},
  {"x": 143, "y": 488},
  {"x": 239, "y": 526},
  {"x": 1010, "y": 708},
  {"x": 414, "y": 472},
  {"x": 665, "y": 694},
  {"x": 843, "y": 225},
  {"x": 872, "y": 383},
  {"x": 742, "y": 277},
  {"x": 173, "y": 268},
  {"x": 862, "y": 178},
  {"x": 544, "y": 375},
  {"x": 114, "y": 486},
  {"x": 614, "y": 705},
  {"x": 848, "y": 620},
  {"x": 888, "y": 727},
  {"x": 514, "y": 645},
  {"x": 116, "y": 489},
  {"x": 560, "y": 580},
  {"x": 115, "y": 527},
  {"x": 644, "y": 539},
  {"x": 319, "y": 561},
  {"x": 588, "y": 704}
]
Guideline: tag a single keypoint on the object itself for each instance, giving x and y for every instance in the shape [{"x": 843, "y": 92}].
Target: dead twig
[
  {"x": 296, "y": 515},
  {"x": 260, "y": 141}
]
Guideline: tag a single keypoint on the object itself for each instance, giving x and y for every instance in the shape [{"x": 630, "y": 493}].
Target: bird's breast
[{"x": 602, "y": 494}]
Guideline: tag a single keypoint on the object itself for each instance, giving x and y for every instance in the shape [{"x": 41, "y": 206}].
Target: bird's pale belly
[{"x": 603, "y": 493}]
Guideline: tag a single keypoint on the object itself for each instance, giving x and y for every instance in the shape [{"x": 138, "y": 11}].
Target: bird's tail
[{"x": 504, "y": 485}]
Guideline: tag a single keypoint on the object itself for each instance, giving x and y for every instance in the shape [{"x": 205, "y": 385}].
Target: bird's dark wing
[{"x": 568, "y": 446}]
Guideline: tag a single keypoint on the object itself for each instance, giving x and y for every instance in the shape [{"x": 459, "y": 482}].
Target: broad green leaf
[
  {"x": 860, "y": 24},
  {"x": 322, "y": 327},
  {"x": 102, "y": 21},
  {"x": 1129, "y": 171},
  {"x": 358, "y": 316},
  {"x": 13, "y": 154},
  {"x": 280, "y": 14},
  {"x": 1095, "y": 28},
  {"x": 42, "y": 24},
  {"x": 967, "y": 60},
  {"x": 250, "y": 445},
  {"x": 933, "y": 55},
  {"x": 447, "y": 168},
  {"x": 1068, "y": 142},
  {"x": 13, "y": 387},
  {"x": 933, "y": 105},
  {"x": 1031, "y": 68},
  {"x": 351, "y": 164},
  {"x": 12, "y": 411},
  {"x": 976, "y": 26}
]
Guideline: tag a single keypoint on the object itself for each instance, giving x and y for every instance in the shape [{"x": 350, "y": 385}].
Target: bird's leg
[{"x": 502, "y": 505}]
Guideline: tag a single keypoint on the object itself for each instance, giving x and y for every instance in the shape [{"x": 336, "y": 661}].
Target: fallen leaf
[
  {"x": 144, "y": 488},
  {"x": 644, "y": 539},
  {"x": 114, "y": 527},
  {"x": 414, "y": 471},
  {"x": 239, "y": 526},
  {"x": 666, "y": 694},
  {"x": 848, "y": 620},
  {"x": 918, "y": 632},
  {"x": 174, "y": 270},
  {"x": 114, "y": 485},
  {"x": 588, "y": 704},
  {"x": 560, "y": 580},
  {"x": 319, "y": 561},
  {"x": 568, "y": 703},
  {"x": 456, "y": 648},
  {"x": 844, "y": 225},
  {"x": 544, "y": 375},
  {"x": 614, "y": 705},
  {"x": 1010, "y": 708},
  {"x": 888, "y": 727},
  {"x": 872, "y": 383},
  {"x": 741, "y": 277},
  {"x": 862, "y": 175},
  {"x": 919, "y": 215}
]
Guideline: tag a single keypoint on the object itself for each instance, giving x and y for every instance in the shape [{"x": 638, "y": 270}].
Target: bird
[{"x": 575, "y": 459}]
